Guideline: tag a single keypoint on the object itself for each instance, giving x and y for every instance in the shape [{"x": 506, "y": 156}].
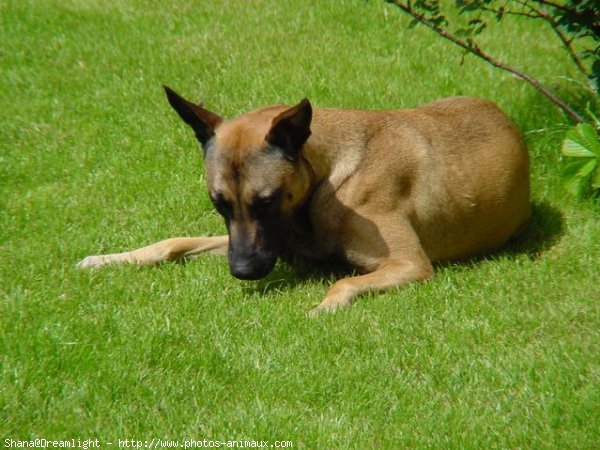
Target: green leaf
[
  {"x": 439, "y": 21},
  {"x": 573, "y": 167},
  {"x": 596, "y": 179},
  {"x": 581, "y": 141},
  {"x": 413, "y": 23},
  {"x": 595, "y": 74},
  {"x": 500, "y": 14},
  {"x": 575, "y": 186},
  {"x": 577, "y": 176},
  {"x": 587, "y": 169}
]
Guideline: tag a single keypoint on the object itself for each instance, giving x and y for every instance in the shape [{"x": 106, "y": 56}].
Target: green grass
[{"x": 503, "y": 352}]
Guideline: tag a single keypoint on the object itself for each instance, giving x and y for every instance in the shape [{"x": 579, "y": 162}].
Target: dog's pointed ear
[
  {"x": 202, "y": 121},
  {"x": 290, "y": 129}
]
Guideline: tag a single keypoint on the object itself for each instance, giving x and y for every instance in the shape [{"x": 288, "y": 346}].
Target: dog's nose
[{"x": 246, "y": 270}]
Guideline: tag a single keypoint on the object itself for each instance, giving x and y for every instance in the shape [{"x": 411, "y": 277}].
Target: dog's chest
[{"x": 314, "y": 230}]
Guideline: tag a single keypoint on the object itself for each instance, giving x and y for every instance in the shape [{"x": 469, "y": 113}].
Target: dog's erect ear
[
  {"x": 202, "y": 121},
  {"x": 290, "y": 129}
]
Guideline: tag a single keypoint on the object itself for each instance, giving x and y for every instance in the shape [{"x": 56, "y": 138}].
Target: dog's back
[{"x": 457, "y": 168}]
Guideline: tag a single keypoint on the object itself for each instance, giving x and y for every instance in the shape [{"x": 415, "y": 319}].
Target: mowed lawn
[{"x": 502, "y": 352}]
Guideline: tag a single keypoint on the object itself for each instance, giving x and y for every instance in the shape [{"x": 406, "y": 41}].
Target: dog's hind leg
[{"x": 167, "y": 250}]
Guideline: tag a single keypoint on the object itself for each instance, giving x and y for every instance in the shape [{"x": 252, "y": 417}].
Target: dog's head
[{"x": 256, "y": 176}]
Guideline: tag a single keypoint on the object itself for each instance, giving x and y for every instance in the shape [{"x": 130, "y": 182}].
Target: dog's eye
[
  {"x": 222, "y": 206},
  {"x": 264, "y": 201},
  {"x": 262, "y": 205}
]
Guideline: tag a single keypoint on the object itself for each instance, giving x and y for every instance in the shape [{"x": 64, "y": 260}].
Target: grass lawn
[{"x": 503, "y": 352}]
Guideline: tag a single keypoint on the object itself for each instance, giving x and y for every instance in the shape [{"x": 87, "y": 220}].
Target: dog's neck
[{"x": 330, "y": 162}]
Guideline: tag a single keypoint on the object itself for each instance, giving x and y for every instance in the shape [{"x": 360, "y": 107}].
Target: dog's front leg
[
  {"x": 390, "y": 274},
  {"x": 167, "y": 250}
]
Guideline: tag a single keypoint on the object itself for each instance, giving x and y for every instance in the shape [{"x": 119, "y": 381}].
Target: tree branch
[
  {"x": 554, "y": 5},
  {"x": 561, "y": 36},
  {"x": 509, "y": 12},
  {"x": 471, "y": 47},
  {"x": 581, "y": 16}
]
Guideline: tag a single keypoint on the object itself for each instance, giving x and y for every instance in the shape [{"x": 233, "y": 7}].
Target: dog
[{"x": 388, "y": 192}]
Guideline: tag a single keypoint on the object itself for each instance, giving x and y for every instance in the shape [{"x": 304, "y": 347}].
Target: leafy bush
[
  {"x": 582, "y": 147},
  {"x": 576, "y": 24}
]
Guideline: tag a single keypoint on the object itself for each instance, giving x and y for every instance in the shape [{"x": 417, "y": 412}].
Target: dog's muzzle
[
  {"x": 252, "y": 257},
  {"x": 251, "y": 268}
]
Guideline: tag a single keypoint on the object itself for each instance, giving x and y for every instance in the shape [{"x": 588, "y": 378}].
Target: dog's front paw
[
  {"x": 328, "y": 306},
  {"x": 93, "y": 262},
  {"x": 339, "y": 296},
  {"x": 317, "y": 311}
]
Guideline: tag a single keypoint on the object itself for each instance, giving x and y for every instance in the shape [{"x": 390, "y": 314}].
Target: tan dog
[{"x": 387, "y": 191}]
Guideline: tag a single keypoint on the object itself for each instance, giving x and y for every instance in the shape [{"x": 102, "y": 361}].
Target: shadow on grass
[
  {"x": 544, "y": 230},
  {"x": 294, "y": 271}
]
